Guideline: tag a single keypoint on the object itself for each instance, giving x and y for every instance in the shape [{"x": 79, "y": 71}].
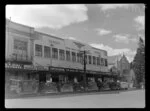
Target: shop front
[{"x": 20, "y": 79}]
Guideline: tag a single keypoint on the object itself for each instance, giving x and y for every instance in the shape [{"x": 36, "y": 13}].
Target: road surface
[{"x": 129, "y": 99}]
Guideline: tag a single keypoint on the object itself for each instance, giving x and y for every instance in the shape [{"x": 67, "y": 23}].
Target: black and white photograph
[{"x": 75, "y": 55}]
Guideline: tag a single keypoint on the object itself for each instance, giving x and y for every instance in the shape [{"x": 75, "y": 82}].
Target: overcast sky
[{"x": 112, "y": 27}]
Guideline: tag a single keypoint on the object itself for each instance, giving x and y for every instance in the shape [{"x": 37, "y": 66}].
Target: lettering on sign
[
  {"x": 54, "y": 42},
  {"x": 56, "y": 69},
  {"x": 10, "y": 65},
  {"x": 30, "y": 67}
]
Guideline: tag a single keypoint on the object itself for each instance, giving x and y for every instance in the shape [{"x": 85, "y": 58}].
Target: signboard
[
  {"x": 56, "y": 69},
  {"x": 21, "y": 66}
]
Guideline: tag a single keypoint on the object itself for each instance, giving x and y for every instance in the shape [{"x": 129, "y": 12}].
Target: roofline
[
  {"x": 18, "y": 23},
  {"x": 49, "y": 35},
  {"x": 99, "y": 49}
]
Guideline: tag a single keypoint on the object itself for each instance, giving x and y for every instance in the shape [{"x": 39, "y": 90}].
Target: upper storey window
[
  {"x": 20, "y": 45},
  {"x": 68, "y": 55},
  {"x": 20, "y": 48},
  {"x": 98, "y": 61},
  {"x": 73, "y": 56},
  {"x": 55, "y": 53},
  {"x": 94, "y": 60},
  {"x": 46, "y": 52},
  {"x": 38, "y": 50},
  {"x": 61, "y": 54},
  {"x": 90, "y": 59}
]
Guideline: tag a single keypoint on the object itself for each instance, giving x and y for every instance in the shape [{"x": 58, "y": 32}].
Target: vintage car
[{"x": 124, "y": 85}]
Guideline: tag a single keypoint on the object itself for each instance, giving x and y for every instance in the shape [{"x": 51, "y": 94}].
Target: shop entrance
[{"x": 42, "y": 77}]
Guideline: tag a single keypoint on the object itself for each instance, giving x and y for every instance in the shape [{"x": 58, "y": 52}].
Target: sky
[{"x": 115, "y": 28}]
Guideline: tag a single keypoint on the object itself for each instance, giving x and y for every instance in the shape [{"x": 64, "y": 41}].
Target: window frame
[
  {"x": 47, "y": 52},
  {"x": 68, "y": 57},
  {"x": 37, "y": 52},
  {"x": 54, "y": 53},
  {"x": 61, "y": 55}
]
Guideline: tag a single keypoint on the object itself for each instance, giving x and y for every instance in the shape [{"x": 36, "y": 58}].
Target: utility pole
[
  {"x": 85, "y": 84},
  {"x": 84, "y": 63}
]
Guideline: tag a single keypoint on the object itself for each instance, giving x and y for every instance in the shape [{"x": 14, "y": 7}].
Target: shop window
[
  {"x": 73, "y": 56},
  {"x": 38, "y": 50},
  {"x": 61, "y": 54},
  {"x": 46, "y": 52},
  {"x": 68, "y": 55},
  {"x": 55, "y": 53}
]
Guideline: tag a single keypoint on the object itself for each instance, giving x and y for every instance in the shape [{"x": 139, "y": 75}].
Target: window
[
  {"x": 86, "y": 59},
  {"x": 78, "y": 57},
  {"x": 46, "y": 52},
  {"x": 55, "y": 53},
  {"x": 38, "y": 50},
  {"x": 81, "y": 59},
  {"x": 73, "y": 56},
  {"x": 105, "y": 62},
  {"x": 98, "y": 61},
  {"x": 61, "y": 54},
  {"x": 20, "y": 45},
  {"x": 68, "y": 55},
  {"x": 102, "y": 62},
  {"x": 90, "y": 59},
  {"x": 94, "y": 60},
  {"x": 20, "y": 49}
]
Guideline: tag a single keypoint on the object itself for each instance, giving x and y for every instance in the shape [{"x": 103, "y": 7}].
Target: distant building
[
  {"x": 112, "y": 63},
  {"x": 120, "y": 64}
]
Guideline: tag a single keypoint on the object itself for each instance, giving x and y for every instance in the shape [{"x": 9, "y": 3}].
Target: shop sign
[
  {"x": 12, "y": 65},
  {"x": 29, "y": 67},
  {"x": 56, "y": 69},
  {"x": 41, "y": 68},
  {"x": 72, "y": 70}
]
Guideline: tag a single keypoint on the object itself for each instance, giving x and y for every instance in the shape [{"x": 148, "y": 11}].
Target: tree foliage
[{"x": 139, "y": 62}]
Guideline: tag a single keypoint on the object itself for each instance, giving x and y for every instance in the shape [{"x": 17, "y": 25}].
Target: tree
[{"x": 139, "y": 62}]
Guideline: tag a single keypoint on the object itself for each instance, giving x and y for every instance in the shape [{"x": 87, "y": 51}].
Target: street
[{"x": 127, "y": 99}]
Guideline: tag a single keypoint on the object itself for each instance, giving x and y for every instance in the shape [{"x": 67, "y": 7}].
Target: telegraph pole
[{"x": 85, "y": 85}]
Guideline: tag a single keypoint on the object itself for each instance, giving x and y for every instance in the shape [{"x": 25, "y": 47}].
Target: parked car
[{"x": 124, "y": 85}]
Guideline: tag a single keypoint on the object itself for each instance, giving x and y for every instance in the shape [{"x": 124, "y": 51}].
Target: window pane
[
  {"x": 105, "y": 62},
  {"x": 55, "y": 53},
  {"x": 61, "y": 54},
  {"x": 20, "y": 45},
  {"x": 73, "y": 56},
  {"x": 78, "y": 57},
  {"x": 98, "y": 61},
  {"x": 38, "y": 50},
  {"x": 46, "y": 51},
  {"x": 94, "y": 60},
  {"x": 68, "y": 55},
  {"x": 90, "y": 61}
]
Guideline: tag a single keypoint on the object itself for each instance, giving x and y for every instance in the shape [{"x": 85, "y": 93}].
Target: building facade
[{"x": 32, "y": 55}]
